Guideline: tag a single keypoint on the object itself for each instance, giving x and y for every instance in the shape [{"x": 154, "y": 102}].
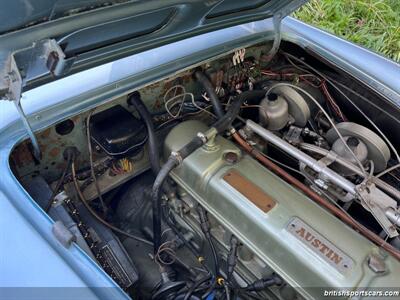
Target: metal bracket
[
  {"x": 63, "y": 234},
  {"x": 329, "y": 159},
  {"x": 27, "y": 64},
  {"x": 377, "y": 203}
]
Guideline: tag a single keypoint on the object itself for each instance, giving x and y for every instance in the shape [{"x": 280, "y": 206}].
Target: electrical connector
[
  {"x": 232, "y": 257},
  {"x": 204, "y": 223},
  {"x": 263, "y": 283}
]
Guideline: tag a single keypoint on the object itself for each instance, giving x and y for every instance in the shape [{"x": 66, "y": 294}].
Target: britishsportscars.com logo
[{"x": 362, "y": 293}]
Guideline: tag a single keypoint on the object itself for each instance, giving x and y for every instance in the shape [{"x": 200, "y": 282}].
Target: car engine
[{"x": 243, "y": 177}]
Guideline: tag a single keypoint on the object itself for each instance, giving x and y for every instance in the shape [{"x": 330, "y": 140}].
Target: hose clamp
[
  {"x": 177, "y": 157},
  {"x": 202, "y": 136},
  {"x": 232, "y": 131}
]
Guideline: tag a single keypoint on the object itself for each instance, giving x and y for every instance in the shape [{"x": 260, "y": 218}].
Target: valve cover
[{"x": 306, "y": 245}]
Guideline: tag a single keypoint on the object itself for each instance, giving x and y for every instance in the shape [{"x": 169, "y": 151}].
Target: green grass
[{"x": 374, "y": 24}]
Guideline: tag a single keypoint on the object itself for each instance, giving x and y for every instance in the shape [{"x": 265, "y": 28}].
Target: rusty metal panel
[{"x": 53, "y": 144}]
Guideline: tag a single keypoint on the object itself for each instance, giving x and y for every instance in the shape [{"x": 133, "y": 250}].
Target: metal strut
[
  {"x": 14, "y": 94},
  {"x": 284, "y": 11},
  {"x": 277, "y": 21},
  {"x": 42, "y": 57},
  {"x": 36, "y": 149}
]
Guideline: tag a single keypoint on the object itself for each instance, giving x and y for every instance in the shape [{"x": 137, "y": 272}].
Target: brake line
[{"x": 314, "y": 196}]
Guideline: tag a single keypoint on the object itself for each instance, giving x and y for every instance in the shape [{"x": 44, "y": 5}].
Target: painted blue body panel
[
  {"x": 376, "y": 71},
  {"x": 29, "y": 253},
  {"x": 26, "y": 223}
]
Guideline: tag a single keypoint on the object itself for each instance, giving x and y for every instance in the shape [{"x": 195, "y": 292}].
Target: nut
[{"x": 376, "y": 263}]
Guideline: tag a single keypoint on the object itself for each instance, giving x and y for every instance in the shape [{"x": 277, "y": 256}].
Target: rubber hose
[
  {"x": 144, "y": 113},
  {"x": 156, "y": 199},
  {"x": 223, "y": 123},
  {"x": 202, "y": 78}
]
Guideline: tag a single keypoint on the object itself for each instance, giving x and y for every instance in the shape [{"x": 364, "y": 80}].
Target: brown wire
[
  {"x": 96, "y": 184},
  {"x": 58, "y": 185},
  {"x": 317, "y": 198},
  {"x": 164, "y": 248},
  {"x": 97, "y": 217}
]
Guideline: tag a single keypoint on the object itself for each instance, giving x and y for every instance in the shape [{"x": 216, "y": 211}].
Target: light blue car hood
[{"x": 49, "y": 39}]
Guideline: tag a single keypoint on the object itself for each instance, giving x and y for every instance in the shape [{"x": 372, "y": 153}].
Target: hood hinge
[{"x": 26, "y": 64}]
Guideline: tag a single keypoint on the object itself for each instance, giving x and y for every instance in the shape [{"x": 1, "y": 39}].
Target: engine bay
[{"x": 243, "y": 177}]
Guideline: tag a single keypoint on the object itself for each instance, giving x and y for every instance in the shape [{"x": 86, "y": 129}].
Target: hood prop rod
[
  {"x": 36, "y": 149},
  {"x": 277, "y": 21},
  {"x": 284, "y": 11}
]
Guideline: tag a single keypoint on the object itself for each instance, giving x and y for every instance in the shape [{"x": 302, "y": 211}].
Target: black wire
[
  {"x": 227, "y": 292},
  {"x": 171, "y": 223},
  {"x": 59, "y": 183},
  {"x": 215, "y": 256},
  {"x": 97, "y": 217},
  {"x": 232, "y": 260},
  {"x": 220, "y": 125},
  {"x": 195, "y": 286},
  {"x": 205, "y": 227},
  {"x": 96, "y": 184},
  {"x": 210, "y": 289},
  {"x": 198, "y": 289},
  {"x": 250, "y": 294}
]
